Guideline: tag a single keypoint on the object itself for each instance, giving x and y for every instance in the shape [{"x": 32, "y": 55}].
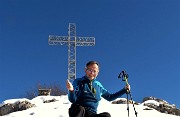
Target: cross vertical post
[{"x": 71, "y": 41}]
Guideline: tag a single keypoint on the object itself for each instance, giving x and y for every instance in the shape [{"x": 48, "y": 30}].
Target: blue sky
[{"x": 141, "y": 37}]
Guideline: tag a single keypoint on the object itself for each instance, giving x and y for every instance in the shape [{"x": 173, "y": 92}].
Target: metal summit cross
[{"x": 71, "y": 41}]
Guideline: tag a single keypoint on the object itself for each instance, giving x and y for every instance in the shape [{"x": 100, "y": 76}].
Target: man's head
[{"x": 92, "y": 69}]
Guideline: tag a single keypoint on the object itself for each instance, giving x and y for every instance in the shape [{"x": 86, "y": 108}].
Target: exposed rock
[
  {"x": 123, "y": 101},
  {"x": 6, "y": 109},
  {"x": 163, "y": 106},
  {"x": 153, "y": 103},
  {"x": 48, "y": 101},
  {"x": 18, "y": 106},
  {"x": 120, "y": 101},
  {"x": 156, "y": 99},
  {"x": 148, "y": 109}
]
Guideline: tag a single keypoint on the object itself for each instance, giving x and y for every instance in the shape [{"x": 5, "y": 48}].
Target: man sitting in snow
[{"x": 86, "y": 92}]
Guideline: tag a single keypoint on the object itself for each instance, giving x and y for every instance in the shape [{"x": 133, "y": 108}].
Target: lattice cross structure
[{"x": 71, "y": 41}]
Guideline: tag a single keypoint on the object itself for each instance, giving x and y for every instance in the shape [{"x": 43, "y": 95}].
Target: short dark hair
[{"x": 92, "y": 62}]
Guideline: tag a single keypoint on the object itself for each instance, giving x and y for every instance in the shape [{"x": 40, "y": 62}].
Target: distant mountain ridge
[{"x": 154, "y": 103}]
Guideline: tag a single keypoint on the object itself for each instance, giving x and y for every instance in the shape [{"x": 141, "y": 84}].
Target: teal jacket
[{"x": 88, "y": 93}]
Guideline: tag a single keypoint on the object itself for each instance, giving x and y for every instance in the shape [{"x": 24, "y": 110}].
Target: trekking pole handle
[{"x": 124, "y": 77}]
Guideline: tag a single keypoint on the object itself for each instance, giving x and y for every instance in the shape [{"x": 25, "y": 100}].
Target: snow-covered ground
[{"x": 60, "y": 107}]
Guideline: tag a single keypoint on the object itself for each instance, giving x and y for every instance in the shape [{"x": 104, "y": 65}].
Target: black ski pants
[{"x": 77, "y": 110}]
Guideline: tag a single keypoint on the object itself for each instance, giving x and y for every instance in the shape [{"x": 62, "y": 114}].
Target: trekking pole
[
  {"x": 133, "y": 104},
  {"x": 127, "y": 104},
  {"x": 124, "y": 77}
]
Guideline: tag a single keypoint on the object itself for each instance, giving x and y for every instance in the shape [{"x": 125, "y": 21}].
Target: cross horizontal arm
[
  {"x": 58, "y": 40},
  {"x": 85, "y": 41},
  {"x": 64, "y": 40}
]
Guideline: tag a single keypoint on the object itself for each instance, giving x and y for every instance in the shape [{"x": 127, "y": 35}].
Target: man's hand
[
  {"x": 69, "y": 85},
  {"x": 127, "y": 87}
]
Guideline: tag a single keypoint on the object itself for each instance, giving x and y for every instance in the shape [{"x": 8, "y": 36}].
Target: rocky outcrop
[
  {"x": 119, "y": 101},
  {"x": 6, "y": 109},
  {"x": 48, "y": 101},
  {"x": 18, "y": 106},
  {"x": 161, "y": 106},
  {"x": 124, "y": 101},
  {"x": 153, "y": 103}
]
